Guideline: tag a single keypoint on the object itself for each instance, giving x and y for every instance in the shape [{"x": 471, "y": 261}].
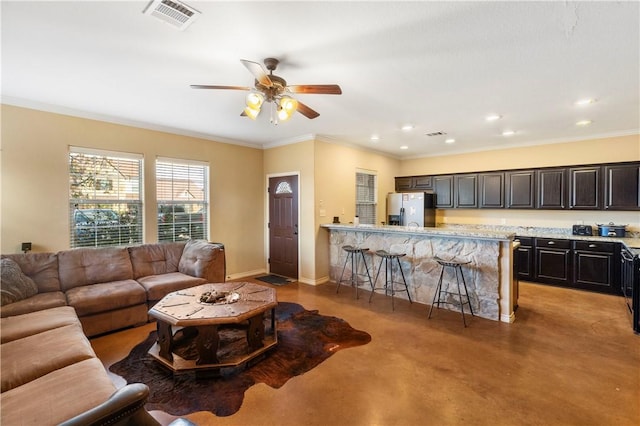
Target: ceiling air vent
[
  {"x": 176, "y": 13},
  {"x": 436, "y": 134}
]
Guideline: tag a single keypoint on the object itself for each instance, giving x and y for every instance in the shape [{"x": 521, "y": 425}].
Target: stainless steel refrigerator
[{"x": 411, "y": 209}]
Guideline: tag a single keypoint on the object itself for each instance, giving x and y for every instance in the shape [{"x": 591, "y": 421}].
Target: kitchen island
[{"x": 489, "y": 276}]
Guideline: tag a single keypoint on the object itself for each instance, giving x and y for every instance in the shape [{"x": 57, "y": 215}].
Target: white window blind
[
  {"x": 105, "y": 198},
  {"x": 182, "y": 194},
  {"x": 366, "y": 196}
]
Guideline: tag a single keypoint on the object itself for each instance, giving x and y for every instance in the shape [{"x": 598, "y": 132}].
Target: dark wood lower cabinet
[
  {"x": 524, "y": 259},
  {"x": 553, "y": 261},
  {"x": 594, "y": 266},
  {"x": 587, "y": 265}
]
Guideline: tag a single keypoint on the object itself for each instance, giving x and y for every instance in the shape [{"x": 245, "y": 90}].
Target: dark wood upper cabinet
[
  {"x": 520, "y": 189},
  {"x": 585, "y": 191},
  {"x": 403, "y": 184},
  {"x": 443, "y": 186},
  {"x": 422, "y": 182},
  {"x": 612, "y": 186},
  {"x": 552, "y": 189},
  {"x": 491, "y": 190},
  {"x": 414, "y": 183},
  {"x": 466, "y": 191},
  {"x": 622, "y": 187}
]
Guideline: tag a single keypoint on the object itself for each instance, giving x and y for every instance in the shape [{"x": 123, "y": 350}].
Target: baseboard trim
[
  {"x": 508, "y": 317},
  {"x": 240, "y": 275},
  {"x": 311, "y": 281}
]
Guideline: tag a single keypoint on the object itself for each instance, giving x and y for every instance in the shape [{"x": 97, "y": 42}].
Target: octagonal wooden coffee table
[{"x": 241, "y": 304}]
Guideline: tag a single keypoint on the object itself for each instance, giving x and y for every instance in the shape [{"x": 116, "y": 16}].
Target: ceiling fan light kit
[{"x": 274, "y": 90}]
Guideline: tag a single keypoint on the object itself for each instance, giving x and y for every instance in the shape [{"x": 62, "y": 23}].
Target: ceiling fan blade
[
  {"x": 323, "y": 89},
  {"x": 306, "y": 111},
  {"x": 258, "y": 72},
  {"x": 206, "y": 86}
]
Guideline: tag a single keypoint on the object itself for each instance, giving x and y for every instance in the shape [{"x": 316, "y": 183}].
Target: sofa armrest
[
  {"x": 203, "y": 259},
  {"x": 124, "y": 407}
]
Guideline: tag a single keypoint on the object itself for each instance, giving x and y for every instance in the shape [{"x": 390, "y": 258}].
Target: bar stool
[
  {"x": 457, "y": 268},
  {"x": 388, "y": 258},
  {"x": 354, "y": 254}
]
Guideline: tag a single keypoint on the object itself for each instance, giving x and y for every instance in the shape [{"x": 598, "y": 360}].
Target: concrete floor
[{"x": 570, "y": 358}]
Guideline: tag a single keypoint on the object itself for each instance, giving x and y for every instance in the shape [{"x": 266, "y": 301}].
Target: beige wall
[
  {"x": 34, "y": 184},
  {"x": 617, "y": 149},
  {"x": 335, "y": 188},
  {"x": 35, "y": 192},
  {"x": 296, "y": 159},
  {"x": 327, "y": 186}
]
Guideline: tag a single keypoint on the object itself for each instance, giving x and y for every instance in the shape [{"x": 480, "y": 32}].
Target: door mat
[
  {"x": 305, "y": 339},
  {"x": 275, "y": 279}
]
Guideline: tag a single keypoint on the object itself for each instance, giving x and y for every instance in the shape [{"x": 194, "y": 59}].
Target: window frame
[
  {"x": 91, "y": 214},
  {"x": 366, "y": 197},
  {"x": 192, "y": 222}
]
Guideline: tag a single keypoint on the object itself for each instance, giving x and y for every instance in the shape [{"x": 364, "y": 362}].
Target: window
[
  {"x": 105, "y": 198},
  {"x": 366, "y": 196},
  {"x": 182, "y": 194}
]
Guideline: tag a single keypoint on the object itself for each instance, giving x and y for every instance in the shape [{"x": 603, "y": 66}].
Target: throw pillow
[
  {"x": 15, "y": 285},
  {"x": 196, "y": 256}
]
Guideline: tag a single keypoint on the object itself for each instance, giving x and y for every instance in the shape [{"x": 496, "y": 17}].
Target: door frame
[{"x": 266, "y": 219}]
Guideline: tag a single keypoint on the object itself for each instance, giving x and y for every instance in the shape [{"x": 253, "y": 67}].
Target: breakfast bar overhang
[{"x": 489, "y": 276}]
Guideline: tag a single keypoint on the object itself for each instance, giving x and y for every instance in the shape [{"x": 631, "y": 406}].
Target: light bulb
[
  {"x": 252, "y": 113},
  {"x": 289, "y": 104},
  {"x": 254, "y": 100}
]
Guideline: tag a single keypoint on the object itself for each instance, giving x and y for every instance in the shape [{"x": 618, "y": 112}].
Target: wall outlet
[
  {"x": 580, "y": 222},
  {"x": 503, "y": 221}
]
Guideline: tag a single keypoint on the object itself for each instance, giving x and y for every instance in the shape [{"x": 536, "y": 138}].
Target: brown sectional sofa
[
  {"x": 113, "y": 288},
  {"x": 51, "y": 375},
  {"x": 49, "y": 372}
]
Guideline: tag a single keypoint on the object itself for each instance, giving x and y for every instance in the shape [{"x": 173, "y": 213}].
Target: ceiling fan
[{"x": 274, "y": 90}]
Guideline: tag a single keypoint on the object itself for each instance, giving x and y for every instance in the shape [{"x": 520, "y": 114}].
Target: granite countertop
[{"x": 487, "y": 234}]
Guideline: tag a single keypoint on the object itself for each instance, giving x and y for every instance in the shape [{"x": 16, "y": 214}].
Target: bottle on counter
[{"x": 356, "y": 221}]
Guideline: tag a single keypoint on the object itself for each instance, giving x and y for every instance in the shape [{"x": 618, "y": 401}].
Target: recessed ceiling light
[
  {"x": 508, "y": 133},
  {"x": 493, "y": 117},
  {"x": 583, "y": 122},
  {"x": 375, "y": 138},
  {"x": 407, "y": 127},
  {"x": 404, "y": 147},
  {"x": 584, "y": 102},
  {"x": 449, "y": 141}
]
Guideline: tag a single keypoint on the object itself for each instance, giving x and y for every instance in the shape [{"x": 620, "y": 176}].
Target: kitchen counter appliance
[
  {"x": 612, "y": 230},
  {"x": 582, "y": 230}
]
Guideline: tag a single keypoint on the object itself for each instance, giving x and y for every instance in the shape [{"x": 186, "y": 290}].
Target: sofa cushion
[
  {"x": 85, "y": 266},
  {"x": 158, "y": 286},
  {"x": 17, "y": 327},
  {"x": 42, "y": 268},
  {"x": 26, "y": 359},
  {"x": 15, "y": 285},
  {"x": 155, "y": 259},
  {"x": 38, "y": 302},
  {"x": 57, "y": 396},
  {"x": 91, "y": 299},
  {"x": 197, "y": 258}
]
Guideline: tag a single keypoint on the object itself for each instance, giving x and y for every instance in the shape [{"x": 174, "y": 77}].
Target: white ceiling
[{"x": 441, "y": 66}]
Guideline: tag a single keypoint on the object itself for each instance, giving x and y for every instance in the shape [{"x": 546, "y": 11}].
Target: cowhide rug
[{"x": 305, "y": 339}]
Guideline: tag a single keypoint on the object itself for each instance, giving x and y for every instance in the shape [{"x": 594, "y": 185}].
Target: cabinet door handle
[
  {"x": 592, "y": 246},
  {"x": 550, "y": 243}
]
